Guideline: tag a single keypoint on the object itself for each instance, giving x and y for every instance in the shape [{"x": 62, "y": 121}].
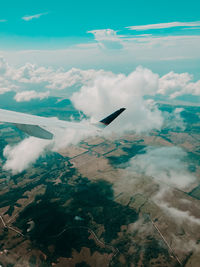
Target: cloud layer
[{"x": 31, "y": 81}]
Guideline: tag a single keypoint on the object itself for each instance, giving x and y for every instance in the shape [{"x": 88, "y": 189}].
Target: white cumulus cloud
[
  {"x": 28, "y": 95},
  {"x": 22, "y": 155},
  {"x": 175, "y": 84},
  {"x": 110, "y": 92},
  {"x": 31, "y": 77}
]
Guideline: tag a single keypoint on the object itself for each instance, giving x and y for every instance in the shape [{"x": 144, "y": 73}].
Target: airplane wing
[{"x": 37, "y": 125}]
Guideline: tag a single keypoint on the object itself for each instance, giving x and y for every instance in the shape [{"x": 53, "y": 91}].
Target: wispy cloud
[
  {"x": 36, "y": 16},
  {"x": 179, "y": 214},
  {"x": 167, "y": 165},
  {"x": 3, "y": 20},
  {"x": 165, "y": 25}
]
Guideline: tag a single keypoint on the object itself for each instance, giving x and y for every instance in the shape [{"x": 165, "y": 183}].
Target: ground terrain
[{"x": 83, "y": 207}]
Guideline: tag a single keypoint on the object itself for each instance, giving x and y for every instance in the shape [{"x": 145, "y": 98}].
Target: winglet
[{"x": 106, "y": 121}]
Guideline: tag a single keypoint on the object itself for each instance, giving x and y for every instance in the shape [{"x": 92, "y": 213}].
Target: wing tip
[{"x": 106, "y": 121}]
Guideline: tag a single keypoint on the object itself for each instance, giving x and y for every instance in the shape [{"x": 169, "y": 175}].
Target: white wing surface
[
  {"x": 34, "y": 125},
  {"x": 37, "y": 126}
]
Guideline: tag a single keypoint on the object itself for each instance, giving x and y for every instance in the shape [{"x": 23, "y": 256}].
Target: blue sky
[
  {"x": 72, "y": 19},
  {"x": 75, "y": 25}
]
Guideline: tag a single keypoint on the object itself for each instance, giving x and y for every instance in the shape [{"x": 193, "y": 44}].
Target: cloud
[
  {"x": 36, "y": 16},
  {"x": 104, "y": 34},
  {"x": 3, "y": 66},
  {"x": 6, "y": 83},
  {"x": 167, "y": 165},
  {"x": 186, "y": 245},
  {"x": 59, "y": 82},
  {"x": 69, "y": 136},
  {"x": 21, "y": 156},
  {"x": 179, "y": 215},
  {"x": 3, "y": 20},
  {"x": 28, "y": 95},
  {"x": 173, "y": 120},
  {"x": 107, "y": 38},
  {"x": 175, "y": 84},
  {"x": 165, "y": 25},
  {"x": 31, "y": 77},
  {"x": 4, "y": 90},
  {"x": 182, "y": 52},
  {"x": 182, "y": 215},
  {"x": 109, "y": 92},
  {"x": 98, "y": 93}
]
